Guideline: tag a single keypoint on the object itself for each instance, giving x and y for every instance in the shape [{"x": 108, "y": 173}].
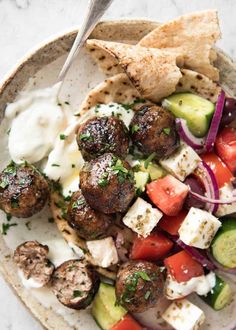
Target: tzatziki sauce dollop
[{"x": 36, "y": 120}]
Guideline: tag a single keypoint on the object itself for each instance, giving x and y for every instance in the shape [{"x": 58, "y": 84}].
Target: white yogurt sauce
[
  {"x": 36, "y": 121},
  {"x": 29, "y": 283},
  {"x": 65, "y": 161},
  {"x": 110, "y": 109},
  {"x": 201, "y": 285}
]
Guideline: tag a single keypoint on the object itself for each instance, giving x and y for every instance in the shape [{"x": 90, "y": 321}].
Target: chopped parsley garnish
[
  {"x": 6, "y": 227},
  {"x": 77, "y": 294},
  {"x": 73, "y": 165},
  {"x": 67, "y": 198},
  {"x": 8, "y": 131},
  {"x": 59, "y": 104},
  {"x": 55, "y": 165},
  {"x": 11, "y": 168},
  {"x": 111, "y": 105},
  {"x": 66, "y": 102},
  {"x": 28, "y": 225},
  {"x": 63, "y": 136},
  {"x": 77, "y": 114},
  {"x": 135, "y": 128},
  {"x": 149, "y": 159},
  {"x": 166, "y": 130},
  {"x": 51, "y": 220},
  {"x": 103, "y": 181},
  {"x": 4, "y": 183},
  {"x": 14, "y": 203},
  {"x": 86, "y": 137},
  {"x": 8, "y": 216},
  {"x": 143, "y": 275},
  {"x": 147, "y": 295},
  {"x": 78, "y": 203}
]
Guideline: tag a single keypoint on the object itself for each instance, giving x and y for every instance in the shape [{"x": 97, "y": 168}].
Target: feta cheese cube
[
  {"x": 198, "y": 228},
  {"x": 182, "y": 163},
  {"x": 200, "y": 284},
  {"x": 142, "y": 217},
  {"x": 183, "y": 315},
  {"x": 226, "y": 192},
  {"x": 103, "y": 252}
]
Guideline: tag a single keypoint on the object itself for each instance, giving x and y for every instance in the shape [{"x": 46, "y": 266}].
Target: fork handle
[{"x": 95, "y": 11}]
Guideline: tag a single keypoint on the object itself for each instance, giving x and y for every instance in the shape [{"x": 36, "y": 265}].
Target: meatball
[
  {"x": 153, "y": 131},
  {"x": 139, "y": 285},
  {"x": 75, "y": 284},
  {"x": 107, "y": 184},
  {"x": 23, "y": 190},
  {"x": 99, "y": 135},
  {"x": 88, "y": 223},
  {"x": 32, "y": 260}
]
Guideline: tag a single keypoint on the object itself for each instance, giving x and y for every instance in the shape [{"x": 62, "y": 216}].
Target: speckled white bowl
[{"x": 39, "y": 69}]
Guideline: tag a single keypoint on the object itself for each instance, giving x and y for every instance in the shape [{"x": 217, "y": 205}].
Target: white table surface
[{"x": 24, "y": 23}]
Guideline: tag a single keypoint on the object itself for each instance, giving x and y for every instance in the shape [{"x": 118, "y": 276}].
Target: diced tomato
[
  {"x": 127, "y": 323},
  {"x": 151, "y": 248},
  {"x": 172, "y": 224},
  {"x": 182, "y": 267},
  {"x": 168, "y": 194},
  {"x": 226, "y": 147},
  {"x": 221, "y": 171}
]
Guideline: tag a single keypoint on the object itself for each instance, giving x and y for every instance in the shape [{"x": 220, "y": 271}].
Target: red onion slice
[
  {"x": 215, "y": 123},
  {"x": 209, "y": 180},
  {"x": 211, "y": 200},
  {"x": 218, "y": 265},
  {"x": 188, "y": 137},
  {"x": 198, "y": 256}
]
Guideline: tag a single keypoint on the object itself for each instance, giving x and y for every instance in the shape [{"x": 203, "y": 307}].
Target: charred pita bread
[
  {"x": 199, "y": 84},
  {"x": 118, "y": 89},
  {"x": 190, "y": 37},
  {"x": 152, "y": 71}
]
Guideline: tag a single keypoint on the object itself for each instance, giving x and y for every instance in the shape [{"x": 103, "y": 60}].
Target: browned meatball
[
  {"x": 153, "y": 131},
  {"x": 99, "y": 135},
  {"x": 75, "y": 283},
  {"x": 107, "y": 184},
  {"x": 32, "y": 260},
  {"x": 88, "y": 223},
  {"x": 23, "y": 190},
  {"x": 139, "y": 285}
]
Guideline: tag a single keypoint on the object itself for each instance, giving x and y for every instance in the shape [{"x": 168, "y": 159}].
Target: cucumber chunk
[
  {"x": 220, "y": 295},
  {"x": 141, "y": 179},
  {"x": 223, "y": 246},
  {"x": 196, "y": 110},
  {"x": 104, "y": 309}
]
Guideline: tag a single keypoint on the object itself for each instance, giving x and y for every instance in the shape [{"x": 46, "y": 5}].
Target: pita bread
[
  {"x": 191, "y": 36},
  {"x": 118, "y": 89},
  {"x": 199, "y": 84},
  {"x": 152, "y": 71}
]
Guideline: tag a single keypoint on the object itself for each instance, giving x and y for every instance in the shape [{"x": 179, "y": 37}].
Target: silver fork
[{"x": 96, "y": 9}]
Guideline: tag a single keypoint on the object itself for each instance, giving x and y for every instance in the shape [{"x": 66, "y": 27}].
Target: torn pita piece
[
  {"x": 118, "y": 89},
  {"x": 152, "y": 71},
  {"x": 192, "y": 36},
  {"x": 198, "y": 84}
]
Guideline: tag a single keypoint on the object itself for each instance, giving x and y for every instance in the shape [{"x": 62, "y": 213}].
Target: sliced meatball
[
  {"x": 23, "y": 190},
  {"x": 153, "y": 131},
  {"x": 107, "y": 184},
  {"x": 99, "y": 135},
  {"x": 88, "y": 223},
  {"x": 32, "y": 260},
  {"x": 139, "y": 285},
  {"x": 75, "y": 283}
]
